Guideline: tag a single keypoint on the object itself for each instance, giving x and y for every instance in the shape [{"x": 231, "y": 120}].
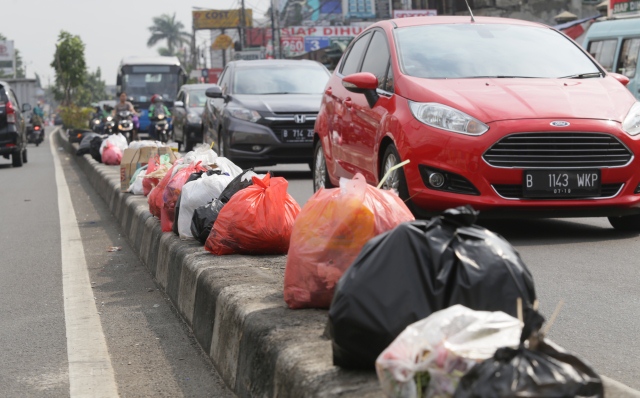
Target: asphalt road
[
  {"x": 150, "y": 349},
  {"x": 592, "y": 268}
]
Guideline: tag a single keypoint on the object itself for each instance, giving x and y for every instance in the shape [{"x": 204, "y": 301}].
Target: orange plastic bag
[
  {"x": 256, "y": 220},
  {"x": 172, "y": 192},
  {"x": 330, "y": 232}
]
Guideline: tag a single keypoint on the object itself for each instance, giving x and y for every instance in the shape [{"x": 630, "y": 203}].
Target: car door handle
[
  {"x": 328, "y": 91},
  {"x": 347, "y": 102}
]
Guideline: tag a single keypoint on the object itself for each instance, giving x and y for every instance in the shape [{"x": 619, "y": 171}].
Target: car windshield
[
  {"x": 279, "y": 79},
  {"x": 197, "y": 99},
  {"x": 490, "y": 50}
]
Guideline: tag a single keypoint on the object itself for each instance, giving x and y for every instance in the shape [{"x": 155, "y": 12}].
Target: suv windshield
[
  {"x": 278, "y": 79},
  {"x": 491, "y": 50},
  {"x": 197, "y": 99}
]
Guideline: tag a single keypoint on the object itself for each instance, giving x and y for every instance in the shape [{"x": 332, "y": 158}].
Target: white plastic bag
[
  {"x": 226, "y": 166},
  {"x": 201, "y": 153},
  {"x": 135, "y": 185},
  {"x": 198, "y": 193},
  {"x": 432, "y": 355},
  {"x": 118, "y": 140},
  {"x": 142, "y": 144}
]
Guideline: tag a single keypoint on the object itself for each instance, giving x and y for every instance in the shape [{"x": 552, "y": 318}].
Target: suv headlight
[
  {"x": 193, "y": 118},
  {"x": 631, "y": 123},
  {"x": 447, "y": 118},
  {"x": 244, "y": 114}
]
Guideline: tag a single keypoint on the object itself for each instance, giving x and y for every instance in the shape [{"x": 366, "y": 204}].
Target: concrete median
[{"x": 235, "y": 308}]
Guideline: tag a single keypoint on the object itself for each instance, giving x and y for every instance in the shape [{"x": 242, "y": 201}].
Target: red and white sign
[
  {"x": 213, "y": 75},
  {"x": 292, "y": 44},
  {"x": 341, "y": 31},
  {"x": 624, "y": 8},
  {"x": 414, "y": 13}
]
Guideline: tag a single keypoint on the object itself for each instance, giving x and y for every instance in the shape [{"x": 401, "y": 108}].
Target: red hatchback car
[{"x": 511, "y": 117}]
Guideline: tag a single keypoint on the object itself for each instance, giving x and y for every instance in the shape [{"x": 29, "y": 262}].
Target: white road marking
[{"x": 90, "y": 370}]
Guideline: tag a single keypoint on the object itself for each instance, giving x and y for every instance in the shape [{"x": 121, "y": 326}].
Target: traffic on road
[{"x": 448, "y": 207}]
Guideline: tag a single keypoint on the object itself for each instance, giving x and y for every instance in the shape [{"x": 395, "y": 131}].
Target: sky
[{"x": 110, "y": 29}]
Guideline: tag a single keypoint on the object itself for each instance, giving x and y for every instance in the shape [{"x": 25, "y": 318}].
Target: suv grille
[
  {"x": 559, "y": 150},
  {"x": 514, "y": 191}
]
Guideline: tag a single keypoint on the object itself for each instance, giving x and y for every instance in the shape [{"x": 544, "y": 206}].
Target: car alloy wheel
[
  {"x": 222, "y": 150},
  {"x": 396, "y": 180},
  {"x": 320, "y": 174}
]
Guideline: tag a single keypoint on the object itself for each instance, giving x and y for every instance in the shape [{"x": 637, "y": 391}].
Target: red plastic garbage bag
[
  {"x": 149, "y": 183},
  {"x": 172, "y": 192},
  {"x": 155, "y": 196},
  {"x": 256, "y": 220},
  {"x": 111, "y": 155},
  {"x": 330, "y": 232}
]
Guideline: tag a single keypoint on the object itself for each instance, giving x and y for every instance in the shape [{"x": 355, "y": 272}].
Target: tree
[
  {"x": 165, "y": 27},
  {"x": 93, "y": 90},
  {"x": 70, "y": 66},
  {"x": 20, "y": 72}
]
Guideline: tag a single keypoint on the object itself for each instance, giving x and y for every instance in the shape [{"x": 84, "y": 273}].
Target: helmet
[{"x": 156, "y": 98}]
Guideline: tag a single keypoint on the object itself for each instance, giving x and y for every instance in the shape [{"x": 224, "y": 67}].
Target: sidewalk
[{"x": 234, "y": 305}]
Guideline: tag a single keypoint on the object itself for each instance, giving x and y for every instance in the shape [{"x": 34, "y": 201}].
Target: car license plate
[
  {"x": 561, "y": 183},
  {"x": 296, "y": 135}
]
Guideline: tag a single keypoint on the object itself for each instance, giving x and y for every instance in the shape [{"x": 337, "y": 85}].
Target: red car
[{"x": 508, "y": 116}]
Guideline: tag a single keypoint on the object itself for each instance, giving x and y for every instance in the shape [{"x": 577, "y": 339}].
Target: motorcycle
[
  {"x": 96, "y": 125},
  {"x": 125, "y": 125},
  {"x": 162, "y": 128},
  {"x": 109, "y": 126},
  {"x": 36, "y": 132}
]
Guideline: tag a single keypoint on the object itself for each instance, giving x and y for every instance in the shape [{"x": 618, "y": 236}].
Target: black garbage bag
[
  {"x": 542, "y": 369},
  {"x": 406, "y": 274},
  {"x": 192, "y": 177},
  {"x": 94, "y": 148},
  {"x": 84, "y": 146},
  {"x": 205, "y": 216}
]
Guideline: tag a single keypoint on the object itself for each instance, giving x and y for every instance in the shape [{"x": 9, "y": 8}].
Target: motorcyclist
[
  {"x": 156, "y": 109},
  {"x": 38, "y": 115},
  {"x": 124, "y": 105}
]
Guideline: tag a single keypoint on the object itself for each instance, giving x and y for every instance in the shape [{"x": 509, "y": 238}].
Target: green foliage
[
  {"x": 165, "y": 27},
  {"x": 75, "y": 117},
  {"x": 94, "y": 89},
  {"x": 69, "y": 65}
]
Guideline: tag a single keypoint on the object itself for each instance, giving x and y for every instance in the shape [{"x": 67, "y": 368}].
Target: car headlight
[
  {"x": 631, "y": 123},
  {"x": 244, "y": 114},
  {"x": 447, "y": 118},
  {"x": 193, "y": 118}
]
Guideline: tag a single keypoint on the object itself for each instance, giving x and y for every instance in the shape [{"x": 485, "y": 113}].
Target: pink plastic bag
[
  {"x": 172, "y": 192},
  {"x": 111, "y": 155}
]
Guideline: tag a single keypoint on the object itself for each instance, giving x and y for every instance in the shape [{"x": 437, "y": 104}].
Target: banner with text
[
  {"x": 221, "y": 19},
  {"x": 414, "y": 13},
  {"x": 6, "y": 58},
  {"x": 624, "y": 8}
]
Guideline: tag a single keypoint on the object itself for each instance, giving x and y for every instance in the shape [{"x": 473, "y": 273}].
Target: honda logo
[{"x": 299, "y": 119}]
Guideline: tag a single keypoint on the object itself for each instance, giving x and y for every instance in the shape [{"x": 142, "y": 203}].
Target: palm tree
[{"x": 165, "y": 27}]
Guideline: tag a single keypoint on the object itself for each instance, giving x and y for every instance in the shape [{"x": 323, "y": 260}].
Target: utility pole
[
  {"x": 243, "y": 24},
  {"x": 224, "y": 53},
  {"x": 273, "y": 29}
]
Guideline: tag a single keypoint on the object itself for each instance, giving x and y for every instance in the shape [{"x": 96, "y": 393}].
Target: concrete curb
[{"x": 235, "y": 307}]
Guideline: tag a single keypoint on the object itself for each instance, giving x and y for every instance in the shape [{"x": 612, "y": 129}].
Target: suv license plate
[
  {"x": 561, "y": 183},
  {"x": 296, "y": 135}
]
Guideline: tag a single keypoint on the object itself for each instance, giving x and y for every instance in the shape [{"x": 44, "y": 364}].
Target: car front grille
[
  {"x": 514, "y": 191},
  {"x": 558, "y": 150}
]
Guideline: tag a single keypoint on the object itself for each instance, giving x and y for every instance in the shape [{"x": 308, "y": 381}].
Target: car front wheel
[
  {"x": 319, "y": 169},
  {"x": 626, "y": 223}
]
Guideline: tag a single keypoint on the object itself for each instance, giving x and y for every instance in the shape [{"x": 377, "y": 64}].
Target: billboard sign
[
  {"x": 624, "y": 8},
  {"x": 292, "y": 45},
  {"x": 221, "y": 19},
  {"x": 414, "y": 13},
  {"x": 360, "y": 9},
  {"x": 313, "y": 43},
  {"x": 6, "y": 58},
  {"x": 331, "y": 31}
]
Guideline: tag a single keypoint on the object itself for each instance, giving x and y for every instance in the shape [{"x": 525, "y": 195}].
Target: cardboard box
[{"x": 133, "y": 159}]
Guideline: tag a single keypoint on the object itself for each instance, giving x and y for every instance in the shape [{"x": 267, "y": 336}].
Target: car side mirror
[
  {"x": 178, "y": 104},
  {"x": 214, "y": 92},
  {"x": 621, "y": 78},
  {"x": 363, "y": 83},
  {"x": 26, "y": 107}
]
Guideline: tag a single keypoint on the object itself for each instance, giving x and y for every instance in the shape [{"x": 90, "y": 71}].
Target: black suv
[{"x": 13, "y": 127}]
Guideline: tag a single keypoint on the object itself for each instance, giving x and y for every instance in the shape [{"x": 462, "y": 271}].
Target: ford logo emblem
[{"x": 559, "y": 123}]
